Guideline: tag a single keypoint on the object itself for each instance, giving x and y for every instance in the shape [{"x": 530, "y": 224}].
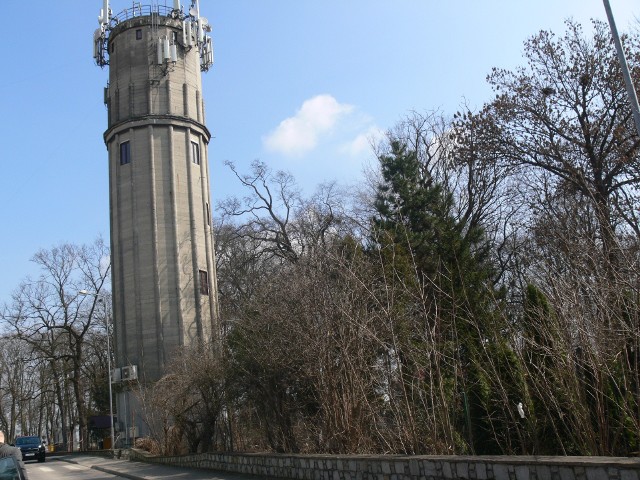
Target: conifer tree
[{"x": 447, "y": 261}]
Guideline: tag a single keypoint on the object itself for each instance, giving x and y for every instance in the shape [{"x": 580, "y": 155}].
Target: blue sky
[{"x": 299, "y": 84}]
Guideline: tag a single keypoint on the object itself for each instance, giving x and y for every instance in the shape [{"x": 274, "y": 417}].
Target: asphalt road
[
  {"x": 86, "y": 466},
  {"x": 57, "y": 470}
]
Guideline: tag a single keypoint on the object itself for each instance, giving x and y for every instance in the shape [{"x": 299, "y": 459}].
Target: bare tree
[
  {"x": 185, "y": 406},
  {"x": 50, "y": 316},
  {"x": 567, "y": 113},
  {"x": 339, "y": 342},
  {"x": 277, "y": 217},
  {"x": 17, "y": 387}
]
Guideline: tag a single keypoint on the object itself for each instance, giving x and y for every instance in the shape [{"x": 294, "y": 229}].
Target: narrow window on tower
[
  {"x": 195, "y": 153},
  {"x": 125, "y": 153},
  {"x": 204, "y": 282},
  {"x": 139, "y": 34},
  {"x": 208, "y": 214}
]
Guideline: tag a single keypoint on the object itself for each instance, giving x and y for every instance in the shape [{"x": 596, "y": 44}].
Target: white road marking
[
  {"x": 45, "y": 469},
  {"x": 49, "y": 469}
]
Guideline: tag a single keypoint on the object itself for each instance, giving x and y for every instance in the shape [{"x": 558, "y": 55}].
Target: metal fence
[{"x": 142, "y": 11}]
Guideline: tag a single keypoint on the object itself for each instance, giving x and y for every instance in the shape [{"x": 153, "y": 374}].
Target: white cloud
[
  {"x": 363, "y": 142},
  {"x": 300, "y": 134}
]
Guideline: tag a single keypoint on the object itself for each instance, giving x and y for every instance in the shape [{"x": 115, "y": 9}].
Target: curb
[{"x": 116, "y": 473}]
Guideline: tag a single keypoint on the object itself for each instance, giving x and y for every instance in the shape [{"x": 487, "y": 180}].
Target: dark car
[{"x": 31, "y": 448}]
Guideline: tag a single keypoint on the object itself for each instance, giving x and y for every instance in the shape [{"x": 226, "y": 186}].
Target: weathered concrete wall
[
  {"x": 396, "y": 467},
  {"x": 162, "y": 254}
]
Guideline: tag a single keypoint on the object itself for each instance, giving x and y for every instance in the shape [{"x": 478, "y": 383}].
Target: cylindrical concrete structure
[{"x": 163, "y": 268}]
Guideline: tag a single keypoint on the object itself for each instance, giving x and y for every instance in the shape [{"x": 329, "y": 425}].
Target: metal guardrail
[{"x": 141, "y": 11}]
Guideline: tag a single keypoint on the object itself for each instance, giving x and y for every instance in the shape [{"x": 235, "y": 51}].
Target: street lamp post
[
  {"x": 631, "y": 91},
  {"x": 101, "y": 297}
]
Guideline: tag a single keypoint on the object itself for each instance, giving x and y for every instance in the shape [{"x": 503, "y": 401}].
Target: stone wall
[{"x": 398, "y": 467}]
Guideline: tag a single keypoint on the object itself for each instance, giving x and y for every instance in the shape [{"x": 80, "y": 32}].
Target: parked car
[
  {"x": 9, "y": 469},
  {"x": 32, "y": 448}
]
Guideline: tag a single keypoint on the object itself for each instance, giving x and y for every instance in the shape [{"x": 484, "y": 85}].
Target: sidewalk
[{"x": 147, "y": 471}]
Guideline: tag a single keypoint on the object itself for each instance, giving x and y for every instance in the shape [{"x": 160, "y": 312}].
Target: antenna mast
[{"x": 194, "y": 30}]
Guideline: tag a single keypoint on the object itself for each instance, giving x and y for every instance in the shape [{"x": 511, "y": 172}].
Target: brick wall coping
[{"x": 509, "y": 459}]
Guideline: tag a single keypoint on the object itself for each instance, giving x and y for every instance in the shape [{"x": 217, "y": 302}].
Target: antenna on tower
[
  {"x": 173, "y": 52},
  {"x": 165, "y": 49},
  {"x": 177, "y": 10},
  {"x": 189, "y": 33},
  {"x": 195, "y": 31},
  {"x": 205, "y": 24},
  {"x": 198, "y": 27},
  {"x": 100, "y": 39},
  {"x": 160, "y": 53},
  {"x": 106, "y": 16},
  {"x": 200, "y": 31}
]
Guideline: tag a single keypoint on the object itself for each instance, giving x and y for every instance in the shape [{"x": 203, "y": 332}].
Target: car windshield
[{"x": 27, "y": 440}]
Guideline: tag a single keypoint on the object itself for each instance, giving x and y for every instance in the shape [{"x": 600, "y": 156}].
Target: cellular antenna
[
  {"x": 192, "y": 28},
  {"x": 100, "y": 35},
  {"x": 106, "y": 13}
]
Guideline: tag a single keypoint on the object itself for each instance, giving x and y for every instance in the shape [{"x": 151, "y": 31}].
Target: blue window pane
[{"x": 125, "y": 153}]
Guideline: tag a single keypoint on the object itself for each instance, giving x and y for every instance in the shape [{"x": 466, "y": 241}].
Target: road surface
[
  {"x": 86, "y": 466},
  {"x": 57, "y": 470}
]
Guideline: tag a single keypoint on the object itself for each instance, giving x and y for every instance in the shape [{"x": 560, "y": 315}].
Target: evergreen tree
[{"x": 447, "y": 261}]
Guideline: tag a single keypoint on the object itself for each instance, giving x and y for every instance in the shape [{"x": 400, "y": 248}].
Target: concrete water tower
[{"x": 162, "y": 253}]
